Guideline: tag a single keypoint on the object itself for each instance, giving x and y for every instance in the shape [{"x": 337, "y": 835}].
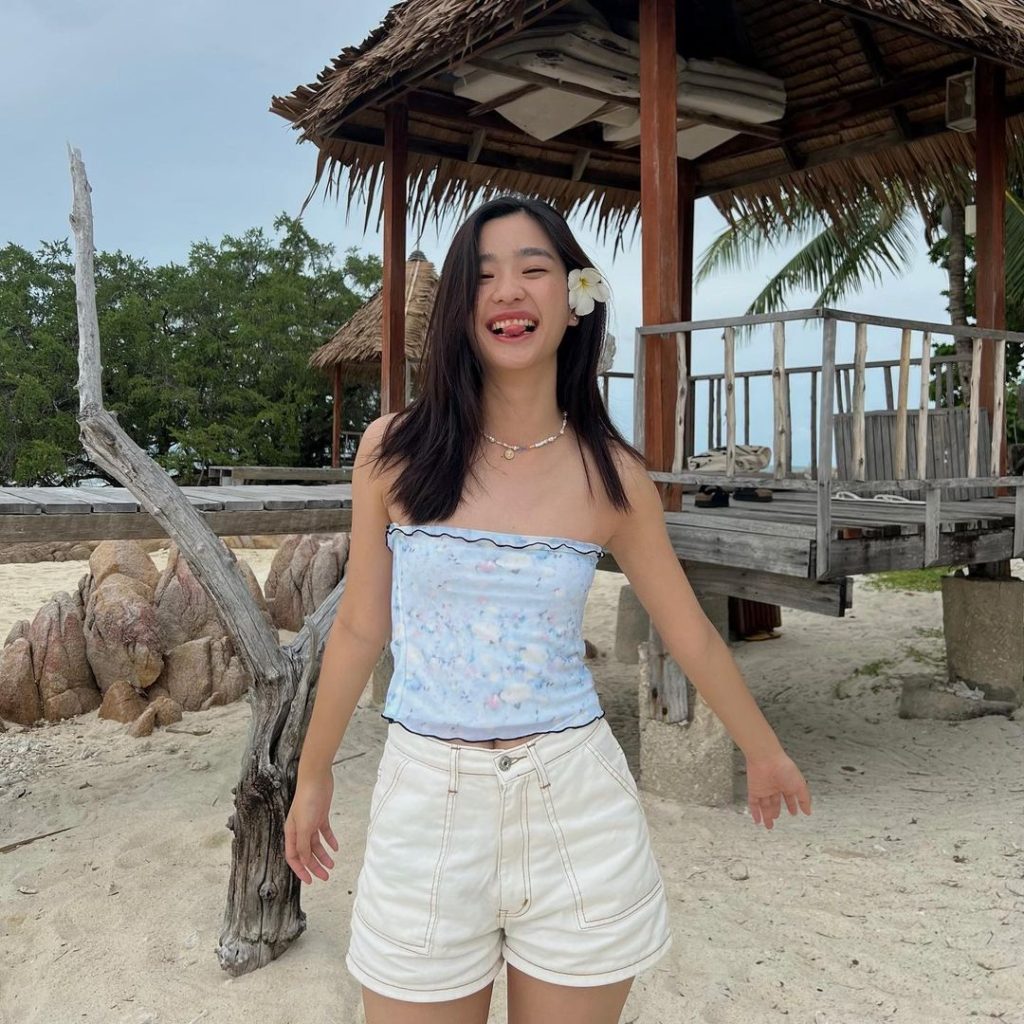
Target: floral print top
[{"x": 486, "y": 632}]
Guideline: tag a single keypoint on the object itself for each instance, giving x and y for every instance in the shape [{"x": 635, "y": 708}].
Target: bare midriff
[{"x": 496, "y": 744}]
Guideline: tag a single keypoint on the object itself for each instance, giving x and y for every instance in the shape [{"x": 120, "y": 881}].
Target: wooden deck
[{"x": 759, "y": 551}]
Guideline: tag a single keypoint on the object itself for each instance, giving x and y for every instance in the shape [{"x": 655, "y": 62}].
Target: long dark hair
[{"x": 438, "y": 434}]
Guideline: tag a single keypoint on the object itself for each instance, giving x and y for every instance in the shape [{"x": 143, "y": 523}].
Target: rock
[
  {"x": 143, "y": 725},
  {"x": 183, "y": 609},
  {"x": 590, "y": 650},
  {"x": 59, "y": 663},
  {"x": 46, "y": 551},
  {"x": 215, "y": 700},
  {"x": 306, "y": 568},
  {"x": 19, "y": 631},
  {"x": 19, "y": 695},
  {"x": 167, "y": 711},
  {"x": 122, "y": 703},
  {"x": 126, "y": 557},
  {"x": 738, "y": 871},
  {"x": 158, "y": 690},
  {"x": 926, "y": 697},
  {"x": 194, "y": 670},
  {"x": 121, "y": 634}
]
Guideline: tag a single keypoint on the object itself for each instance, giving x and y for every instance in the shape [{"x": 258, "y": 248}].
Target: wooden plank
[
  {"x": 852, "y": 558},
  {"x": 900, "y": 437},
  {"x": 741, "y": 520},
  {"x": 814, "y": 422},
  {"x": 825, "y": 428},
  {"x": 711, "y": 415},
  {"x": 778, "y": 399},
  {"x": 639, "y": 389},
  {"x": 889, "y": 400},
  {"x": 840, "y": 406},
  {"x": 15, "y": 504},
  {"x": 746, "y": 410},
  {"x": 682, "y": 397},
  {"x": 996, "y": 461},
  {"x": 718, "y": 413},
  {"x": 931, "y": 528},
  {"x": 951, "y": 369},
  {"x": 857, "y": 425},
  {"x": 789, "y": 556},
  {"x": 1018, "y": 523},
  {"x": 730, "y": 401},
  {"x": 52, "y": 500},
  {"x": 31, "y": 529},
  {"x": 831, "y": 598},
  {"x": 922, "y": 414},
  {"x": 975, "y": 407},
  {"x": 789, "y": 422}
]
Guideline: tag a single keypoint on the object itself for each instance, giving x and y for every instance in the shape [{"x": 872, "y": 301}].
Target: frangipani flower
[{"x": 586, "y": 287}]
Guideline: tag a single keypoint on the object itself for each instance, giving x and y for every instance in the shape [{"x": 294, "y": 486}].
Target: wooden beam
[
  {"x": 336, "y": 420},
  {"x": 659, "y": 217},
  {"x": 990, "y": 247},
  {"x": 880, "y": 69},
  {"x": 392, "y": 351},
  {"x": 687, "y": 186}
]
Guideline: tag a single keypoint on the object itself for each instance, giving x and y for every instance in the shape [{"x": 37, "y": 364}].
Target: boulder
[
  {"x": 18, "y": 631},
  {"x": 121, "y": 635},
  {"x": 184, "y": 611},
  {"x": 304, "y": 571},
  {"x": 127, "y": 557},
  {"x": 59, "y": 661},
  {"x": 19, "y": 695},
  {"x": 167, "y": 711},
  {"x": 122, "y": 702},
  {"x": 195, "y": 669},
  {"x": 143, "y": 725}
]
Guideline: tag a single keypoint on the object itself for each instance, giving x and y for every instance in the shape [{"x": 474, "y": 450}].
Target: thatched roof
[
  {"x": 865, "y": 83},
  {"x": 355, "y": 346}
]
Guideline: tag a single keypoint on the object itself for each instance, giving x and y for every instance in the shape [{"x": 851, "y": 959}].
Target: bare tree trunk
[{"x": 263, "y": 915}]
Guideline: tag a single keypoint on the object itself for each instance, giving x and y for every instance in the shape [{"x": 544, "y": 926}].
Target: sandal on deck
[
  {"x": 752, "y": 494},
  {"x": 711, "y": 497}
]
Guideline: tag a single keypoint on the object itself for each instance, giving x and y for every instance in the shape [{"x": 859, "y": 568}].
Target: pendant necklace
[{"x": 511, "y": 449}]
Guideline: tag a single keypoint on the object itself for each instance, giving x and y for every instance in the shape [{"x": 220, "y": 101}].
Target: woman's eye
[{"x": 535, "y": 270}]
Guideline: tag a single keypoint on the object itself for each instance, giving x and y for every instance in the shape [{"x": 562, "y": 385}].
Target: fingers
[{"x": 305, "y": 854}]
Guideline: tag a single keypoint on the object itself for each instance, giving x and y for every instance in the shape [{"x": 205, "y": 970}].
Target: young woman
[{"x": 505, "y": 825}]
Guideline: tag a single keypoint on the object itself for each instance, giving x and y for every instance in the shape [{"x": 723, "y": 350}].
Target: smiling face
[{"x": 522, "y": 303}]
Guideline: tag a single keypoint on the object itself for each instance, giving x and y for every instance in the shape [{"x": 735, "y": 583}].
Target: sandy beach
[{"x": 900, "y": 899}]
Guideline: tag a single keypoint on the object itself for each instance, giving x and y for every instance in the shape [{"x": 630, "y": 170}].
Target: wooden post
[
  {"x": 779, "y": 399},
  {"x": 660, "y": 228},
  {"x": 392, "y": 351},
  {"x": 687, "y": 197},
  {"x": 975, "y": 410},
  {"x": 730, "y": 401},
  {"x": 825, "y": 427},
  {"x": 336, "y": 421},
  {"x": 682, "y": 406},
  {"x": 860, "y": 354},
  {"x": 922, "y": 412},
  {"x": 990, "y": 90},
  {"x": 899, "y": 461}
]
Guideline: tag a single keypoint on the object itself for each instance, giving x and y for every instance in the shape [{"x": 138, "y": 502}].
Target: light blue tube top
[{"x": 486, "y": 632}]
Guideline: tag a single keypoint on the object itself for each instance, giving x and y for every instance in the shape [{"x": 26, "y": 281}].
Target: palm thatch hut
[
  {"x": 864, "y": 85},
  {"x": 354, "y": 351}
]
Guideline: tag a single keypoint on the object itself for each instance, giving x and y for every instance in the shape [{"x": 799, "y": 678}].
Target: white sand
[{"x": 901, "y": 899}]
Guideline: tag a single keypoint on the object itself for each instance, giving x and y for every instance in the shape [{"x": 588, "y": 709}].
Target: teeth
[{"x": 500, "y": 325}]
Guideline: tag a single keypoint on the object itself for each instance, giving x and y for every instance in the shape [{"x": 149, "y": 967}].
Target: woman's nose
[{"x": 507, "y": 287}]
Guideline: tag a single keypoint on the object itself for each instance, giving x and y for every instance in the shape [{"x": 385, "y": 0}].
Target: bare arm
[
  {"x": 643, "y": 550},
  {"x": 363, "y": 621}
]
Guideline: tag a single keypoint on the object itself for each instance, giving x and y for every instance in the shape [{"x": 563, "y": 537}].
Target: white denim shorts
[{"x": 537, "y": 854}]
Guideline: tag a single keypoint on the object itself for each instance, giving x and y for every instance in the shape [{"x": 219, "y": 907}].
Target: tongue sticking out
[{"x": 514, "y": 331}]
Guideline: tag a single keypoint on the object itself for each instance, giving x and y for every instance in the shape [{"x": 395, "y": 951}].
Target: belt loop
[
  {"x": 542, "y": 775},
  {"x": 453, "y": 768}
]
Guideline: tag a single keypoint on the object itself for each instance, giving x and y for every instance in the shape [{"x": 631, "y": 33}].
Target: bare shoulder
[
  {"x": 371, "y": 438},
  {"x": 645, "y": 503}
]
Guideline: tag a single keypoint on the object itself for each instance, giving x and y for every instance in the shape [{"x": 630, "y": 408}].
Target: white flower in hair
[{"x": 586, "y": 287}]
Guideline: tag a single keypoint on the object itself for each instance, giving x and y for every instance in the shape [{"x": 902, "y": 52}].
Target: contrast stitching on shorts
[
  {"x": 527, "y": 839},
  {"x": 582, "y": 920},
  {"x": 442, "y": 859},
  {"x": 392, "y": 785},
  {"x": 408, "y": 947},
  {"x": 440, "y": 988},
  {"x": 584, "y": 974},
  {"x": 610, "y": 768}
]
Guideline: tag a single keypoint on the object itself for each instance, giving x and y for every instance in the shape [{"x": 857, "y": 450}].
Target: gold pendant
[{"x": 510, "y": 453}]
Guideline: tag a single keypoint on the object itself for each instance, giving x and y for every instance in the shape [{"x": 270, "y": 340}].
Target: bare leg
[
  {"x": 471, "y": 1009},
  {"x": 531, "y": 1001}
]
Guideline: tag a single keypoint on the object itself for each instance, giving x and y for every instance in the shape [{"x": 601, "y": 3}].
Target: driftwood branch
[{"x": 262, "y": 916}]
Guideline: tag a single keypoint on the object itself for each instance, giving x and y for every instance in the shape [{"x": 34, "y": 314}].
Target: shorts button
[{"x": 504, "y": 762}]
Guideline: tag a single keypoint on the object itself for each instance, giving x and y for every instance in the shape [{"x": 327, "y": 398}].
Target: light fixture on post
[{"x": 960, "y": 102}]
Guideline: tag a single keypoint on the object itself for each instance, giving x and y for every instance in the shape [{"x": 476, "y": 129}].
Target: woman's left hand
[{"x": 771, "y": 780}]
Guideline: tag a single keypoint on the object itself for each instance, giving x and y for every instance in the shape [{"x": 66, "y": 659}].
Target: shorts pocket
[
  {"x": 601, "y": 832},
  {"x": 407, "y": 843}
]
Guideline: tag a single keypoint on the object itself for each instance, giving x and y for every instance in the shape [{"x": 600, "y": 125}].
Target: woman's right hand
[{"x": 308, "y": 820}]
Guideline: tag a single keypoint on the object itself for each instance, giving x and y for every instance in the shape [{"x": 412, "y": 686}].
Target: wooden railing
[{"x": 838, "y": 388}]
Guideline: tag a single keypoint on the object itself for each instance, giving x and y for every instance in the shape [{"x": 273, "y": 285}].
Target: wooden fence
[{"x": 838, "y": 389}]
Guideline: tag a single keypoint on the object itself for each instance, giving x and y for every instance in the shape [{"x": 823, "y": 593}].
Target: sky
[{"x": 168, "y": 104}]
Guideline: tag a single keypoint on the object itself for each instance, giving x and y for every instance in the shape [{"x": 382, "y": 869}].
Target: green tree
[{"x": 204, "y": 362}]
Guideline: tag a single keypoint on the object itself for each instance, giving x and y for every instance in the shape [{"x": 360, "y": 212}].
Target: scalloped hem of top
[
  {"x": 582, "y": 547},
  {"x": 489, "y": 739}
]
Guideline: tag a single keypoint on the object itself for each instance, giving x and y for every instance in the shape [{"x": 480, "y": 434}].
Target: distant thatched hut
[{"x": 354, "y": 353}]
